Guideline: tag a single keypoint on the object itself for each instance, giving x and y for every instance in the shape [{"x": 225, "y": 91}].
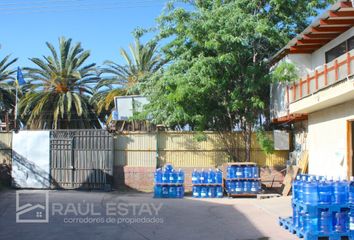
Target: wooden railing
[{"x": 324, "y": 76}]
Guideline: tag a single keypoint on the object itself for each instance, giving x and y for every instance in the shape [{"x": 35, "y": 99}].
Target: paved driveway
[{"x": 116, "y": 215}]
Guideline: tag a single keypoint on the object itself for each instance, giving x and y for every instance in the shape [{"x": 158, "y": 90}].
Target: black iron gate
[{"x": 81, "y": 159}]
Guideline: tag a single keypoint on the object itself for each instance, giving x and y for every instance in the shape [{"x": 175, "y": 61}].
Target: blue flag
[{"x": 20, "y": 79}]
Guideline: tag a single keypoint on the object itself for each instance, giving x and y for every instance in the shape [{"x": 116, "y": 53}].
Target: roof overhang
[
  {"x": 335, "y": 21},
  {"x": 291, "y": 118}
]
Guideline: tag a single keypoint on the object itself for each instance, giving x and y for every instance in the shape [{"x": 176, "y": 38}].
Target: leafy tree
[
  {"x": 142, "y": 61},
  {"x": 59, "y": 89},
  {"x": 7, "y": 84},
  {"x": 219, "y": 77}
]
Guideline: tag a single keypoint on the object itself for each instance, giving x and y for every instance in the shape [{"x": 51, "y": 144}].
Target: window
[
  {"x": 336, "y": 52},
  {"x": 350, "y": 43},
  {"x": 340, "y": 50}
]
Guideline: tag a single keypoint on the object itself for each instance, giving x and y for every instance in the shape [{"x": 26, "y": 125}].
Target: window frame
[
  {"x": 346, "y": 42},
  {"x": 346, "y": 50}
]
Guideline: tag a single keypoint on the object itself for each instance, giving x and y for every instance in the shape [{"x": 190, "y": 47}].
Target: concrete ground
[{"x": 117, "y": 215}]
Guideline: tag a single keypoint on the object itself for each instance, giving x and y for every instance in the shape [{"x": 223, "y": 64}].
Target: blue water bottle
[
  {"x": 165, "y": 176},
  {"x": 158, "y": 191},
  {"x": 295, "y": 188},
  {"x": 196, "y": 191},
  {"x": 172, "y": 192},
  {"x": 168, "y": 167},
  {"x": 325, "y": 192},
  {"x": 204, "y": 192},
  {"x": 239, "y": 173},
  {"x": 202, "y": 177},
  {"x": 351, "y": 191},
  {"x": 218, "y": 176},
  {"x": 254, "y": 187},
  {"x": 246, "y": 186},
  {"x": 158, "y": 176},
  {"x": 247, "y": 171},
  {"x": 165, "y": 191},
  {"x": 255, "y": 172},
  {"x": 211, "y": 176},
  {"x": 230, "y": 172},
  {"x": 233, "y": 187},
  {"x": 179, "y": 192},
  {"x": 180, "y": 176},
  {"x": 195, "y": 177},
  {"x": 173, "y": 177},
  {"x": 238, "y": 187},
  {"x": 301, "y": 189},
  {"x": 340, "y": 189},
  {"x": 219, "y": 192},
  {"x": 351, "y": 205},
  {"x": 211, "y": 192}
]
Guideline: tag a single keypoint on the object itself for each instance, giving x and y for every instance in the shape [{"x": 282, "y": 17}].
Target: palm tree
[
  {"x": 7, "y": 84},
  {"x": 59, "y": 89},
  {"x": 124, "y": 79}
]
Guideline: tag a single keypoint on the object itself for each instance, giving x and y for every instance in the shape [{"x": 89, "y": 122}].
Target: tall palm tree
[
  {"x": 142, "y": 61},
  {"x": 7, "y": 84},
  {"x": 59, "y": 89}
]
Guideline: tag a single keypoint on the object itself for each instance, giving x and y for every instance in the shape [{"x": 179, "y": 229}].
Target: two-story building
[{"x": 320, "y": 105}]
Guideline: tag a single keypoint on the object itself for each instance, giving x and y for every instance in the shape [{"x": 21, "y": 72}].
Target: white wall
[
  {"x": 30, "y": 159},
  {"x": 302, "y": 62},
  {"x": 327, "y": 143}
]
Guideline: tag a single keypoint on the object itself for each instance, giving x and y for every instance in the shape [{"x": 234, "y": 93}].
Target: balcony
[{"x": 326, "y": 86}]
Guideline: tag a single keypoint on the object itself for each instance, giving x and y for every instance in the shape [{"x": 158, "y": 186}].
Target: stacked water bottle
[
  {"x": 242, "y": 178},
  {"x": 169, "y": 183},
  {"x": 207, "y": 184},
  {"x": 323, "y": 207}
]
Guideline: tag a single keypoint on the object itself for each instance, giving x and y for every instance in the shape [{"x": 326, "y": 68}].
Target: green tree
[
  {"x": 219, "y": 77},
  {"x": 142, "y": 61},
  {"x": 7, "y": 84},
  {"x": 59, "y": 89}
]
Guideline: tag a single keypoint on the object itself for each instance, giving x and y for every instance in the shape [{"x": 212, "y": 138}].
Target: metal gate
[{"x": 81, "y": 159}]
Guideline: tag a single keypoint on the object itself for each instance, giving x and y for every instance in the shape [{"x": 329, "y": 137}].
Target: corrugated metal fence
[{"x": 182, "y": 150}]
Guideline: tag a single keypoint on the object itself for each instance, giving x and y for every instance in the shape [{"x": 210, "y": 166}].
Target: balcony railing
[{"x": 322, "y": 77}]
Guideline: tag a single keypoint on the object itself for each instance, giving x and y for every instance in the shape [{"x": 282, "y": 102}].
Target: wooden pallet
[
  {"x": 267, "y": 195},
  {"x": 287, "y": 224},
  {"x": 207, "y": 184},
  {"x": 242, "y": 195},
  {"x": 169, "y": 184}
]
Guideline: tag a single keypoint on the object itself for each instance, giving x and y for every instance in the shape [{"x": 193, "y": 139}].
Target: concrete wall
[{"x": 327, "y": 140}]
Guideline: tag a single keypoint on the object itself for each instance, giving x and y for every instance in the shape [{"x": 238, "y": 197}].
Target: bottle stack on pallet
[
  {"x": 242, "y": 179},
  {"x": 169, "y": 183},
  {"x": 207, "y": 184},
  {"x": 322, "y": 208}
]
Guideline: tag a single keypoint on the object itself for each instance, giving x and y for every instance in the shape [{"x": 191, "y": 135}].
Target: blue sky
[{"x": 102, "y": 26}]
